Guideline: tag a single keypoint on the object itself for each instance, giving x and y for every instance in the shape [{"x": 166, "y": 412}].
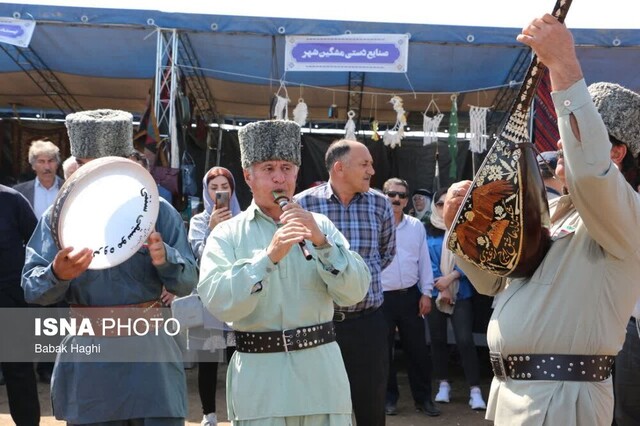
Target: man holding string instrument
[
  {"x": 553, "y": 335},
  {"x": 287, "y": 368}
]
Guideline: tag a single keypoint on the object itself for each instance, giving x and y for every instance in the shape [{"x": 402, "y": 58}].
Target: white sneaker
[
  {"x": 209, "y": 420},
  {"x": 443, "y": 392},
  {"x": 475, "y": 399}
]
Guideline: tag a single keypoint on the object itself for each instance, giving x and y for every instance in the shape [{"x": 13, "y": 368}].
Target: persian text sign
[
  {"x": 351, "y": 52},
  {"x": 16, "y": 31}
]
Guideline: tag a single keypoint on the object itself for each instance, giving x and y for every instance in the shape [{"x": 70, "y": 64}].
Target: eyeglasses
[{"x": 393, "y": 194}]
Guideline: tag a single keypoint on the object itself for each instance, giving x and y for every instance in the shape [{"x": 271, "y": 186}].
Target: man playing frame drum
[{"x": 153, "y": 393}]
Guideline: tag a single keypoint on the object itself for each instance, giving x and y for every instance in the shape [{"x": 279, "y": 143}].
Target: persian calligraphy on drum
[{"x": 109, "y": 205}]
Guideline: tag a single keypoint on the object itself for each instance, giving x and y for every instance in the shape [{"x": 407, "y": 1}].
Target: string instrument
[{"x": 502, "y": 225}]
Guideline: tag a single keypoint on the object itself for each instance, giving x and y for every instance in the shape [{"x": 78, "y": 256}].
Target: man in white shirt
[
  {"x": 41, "y": 192},
  {"x": 407, "y": 283}
]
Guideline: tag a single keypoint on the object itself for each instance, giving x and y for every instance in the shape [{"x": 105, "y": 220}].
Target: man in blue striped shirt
[{"x": 365, "y": 217}]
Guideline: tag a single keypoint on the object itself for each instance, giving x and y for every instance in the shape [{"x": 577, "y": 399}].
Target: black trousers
[
  {"x": 44, "y": 368},
  {"x": 626, "y": 379},
  {"x": 20, "y": 378},
  {"x": 207, "y": 381},
  {"x": 401, "y": 311},
  {"x": 363, "y": 343},
  {"x": 462, "y": 322}
]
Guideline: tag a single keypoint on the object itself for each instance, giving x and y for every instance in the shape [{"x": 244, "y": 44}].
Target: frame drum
[{"x": 109, "y": 205}]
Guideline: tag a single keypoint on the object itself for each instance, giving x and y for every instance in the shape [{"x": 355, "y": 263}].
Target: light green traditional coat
[{"x": 295, "y": 293}]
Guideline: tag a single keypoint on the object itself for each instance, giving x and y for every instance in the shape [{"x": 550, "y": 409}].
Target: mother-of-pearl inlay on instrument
[{"x": 502, "y": 225}]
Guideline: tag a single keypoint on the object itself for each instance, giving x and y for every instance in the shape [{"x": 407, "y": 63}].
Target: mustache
[{"x": 395, "y": 203}]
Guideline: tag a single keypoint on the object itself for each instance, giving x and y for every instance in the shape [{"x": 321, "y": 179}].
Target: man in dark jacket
[{"x": 17, "y": 222}]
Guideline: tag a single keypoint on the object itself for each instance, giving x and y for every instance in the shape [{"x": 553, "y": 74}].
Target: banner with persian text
[
  {"x": 17, "y": 32},
  {"x": 349, "y": 52}
]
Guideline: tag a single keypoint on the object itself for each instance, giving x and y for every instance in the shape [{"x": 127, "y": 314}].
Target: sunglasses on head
[{"x": 393, "y": 194}]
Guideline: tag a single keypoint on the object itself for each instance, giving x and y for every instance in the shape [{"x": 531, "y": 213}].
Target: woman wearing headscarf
[
  {"x": 421, "y": 205},
  {"x": 452, "y": 292},
  {"x": 217, "y": 179},
  {"x": 217, "y": 335}
]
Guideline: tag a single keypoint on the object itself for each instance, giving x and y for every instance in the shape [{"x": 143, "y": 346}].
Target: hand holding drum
[
  {"x": 156, "y": 248},
  {"x": 67, "y": 266}
]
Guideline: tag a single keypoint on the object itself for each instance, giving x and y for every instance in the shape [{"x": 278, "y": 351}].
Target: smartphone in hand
[{"x": 222, "y": 199}]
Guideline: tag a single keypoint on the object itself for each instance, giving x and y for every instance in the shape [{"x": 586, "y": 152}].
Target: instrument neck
[{"x": 518, "y": 114}]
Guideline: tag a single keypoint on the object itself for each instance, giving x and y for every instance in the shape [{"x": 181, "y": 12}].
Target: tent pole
[
  {"x": 219, "y": 144},
  {"x": 208, "y": 150}
]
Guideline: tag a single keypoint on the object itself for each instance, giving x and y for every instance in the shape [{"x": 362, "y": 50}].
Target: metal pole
[
  {"x": 218, "y": 151},
  {"x": 207, "y": 156}
]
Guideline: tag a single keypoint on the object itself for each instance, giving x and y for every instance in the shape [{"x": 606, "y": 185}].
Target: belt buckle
[
  {"x": 287, "y": 340},
  {"x": 497, "y": 365},
  {"x": 339, "y": 316}
]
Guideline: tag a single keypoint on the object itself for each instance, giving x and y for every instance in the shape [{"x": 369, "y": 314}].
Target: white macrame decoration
[
  {"x": 430, "y": 124},
  {"x": 281, "y": 108},
  {"x": 430, "y": 128},
  {"x": 478, "y": 119},
  {"x": 300, "y": 113},
  {"x": 350, "y": 127},
  {"x": 392, "y": 137},
  {"x": 281, "y": 105}
]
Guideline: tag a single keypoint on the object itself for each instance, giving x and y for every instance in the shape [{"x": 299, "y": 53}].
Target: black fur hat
[
  {"x": 269, "y": 140},
  {"x": 100, "y": 133},
  {"x": 620, "y": 111}
]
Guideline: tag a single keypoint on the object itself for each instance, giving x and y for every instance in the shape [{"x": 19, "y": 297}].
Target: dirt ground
[{"x": 456, "y": 413}]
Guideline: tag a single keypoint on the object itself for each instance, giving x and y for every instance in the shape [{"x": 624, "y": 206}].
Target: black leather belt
[
  {"x": 339, "y": 316},
  {"x": 293, "y": 339},
  {"x": 572, "y": 368},
  {"x": 401, "y": 290}
]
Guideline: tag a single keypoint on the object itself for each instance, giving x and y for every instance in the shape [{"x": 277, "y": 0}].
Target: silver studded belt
[
  {"x": 563, "y": 367},
  {"x": 293, "y": 339}
]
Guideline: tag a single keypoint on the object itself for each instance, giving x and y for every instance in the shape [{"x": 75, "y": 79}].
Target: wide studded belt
[
  {"x": 293, "y": 339},
  {"x": 563, "y": 367}
]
